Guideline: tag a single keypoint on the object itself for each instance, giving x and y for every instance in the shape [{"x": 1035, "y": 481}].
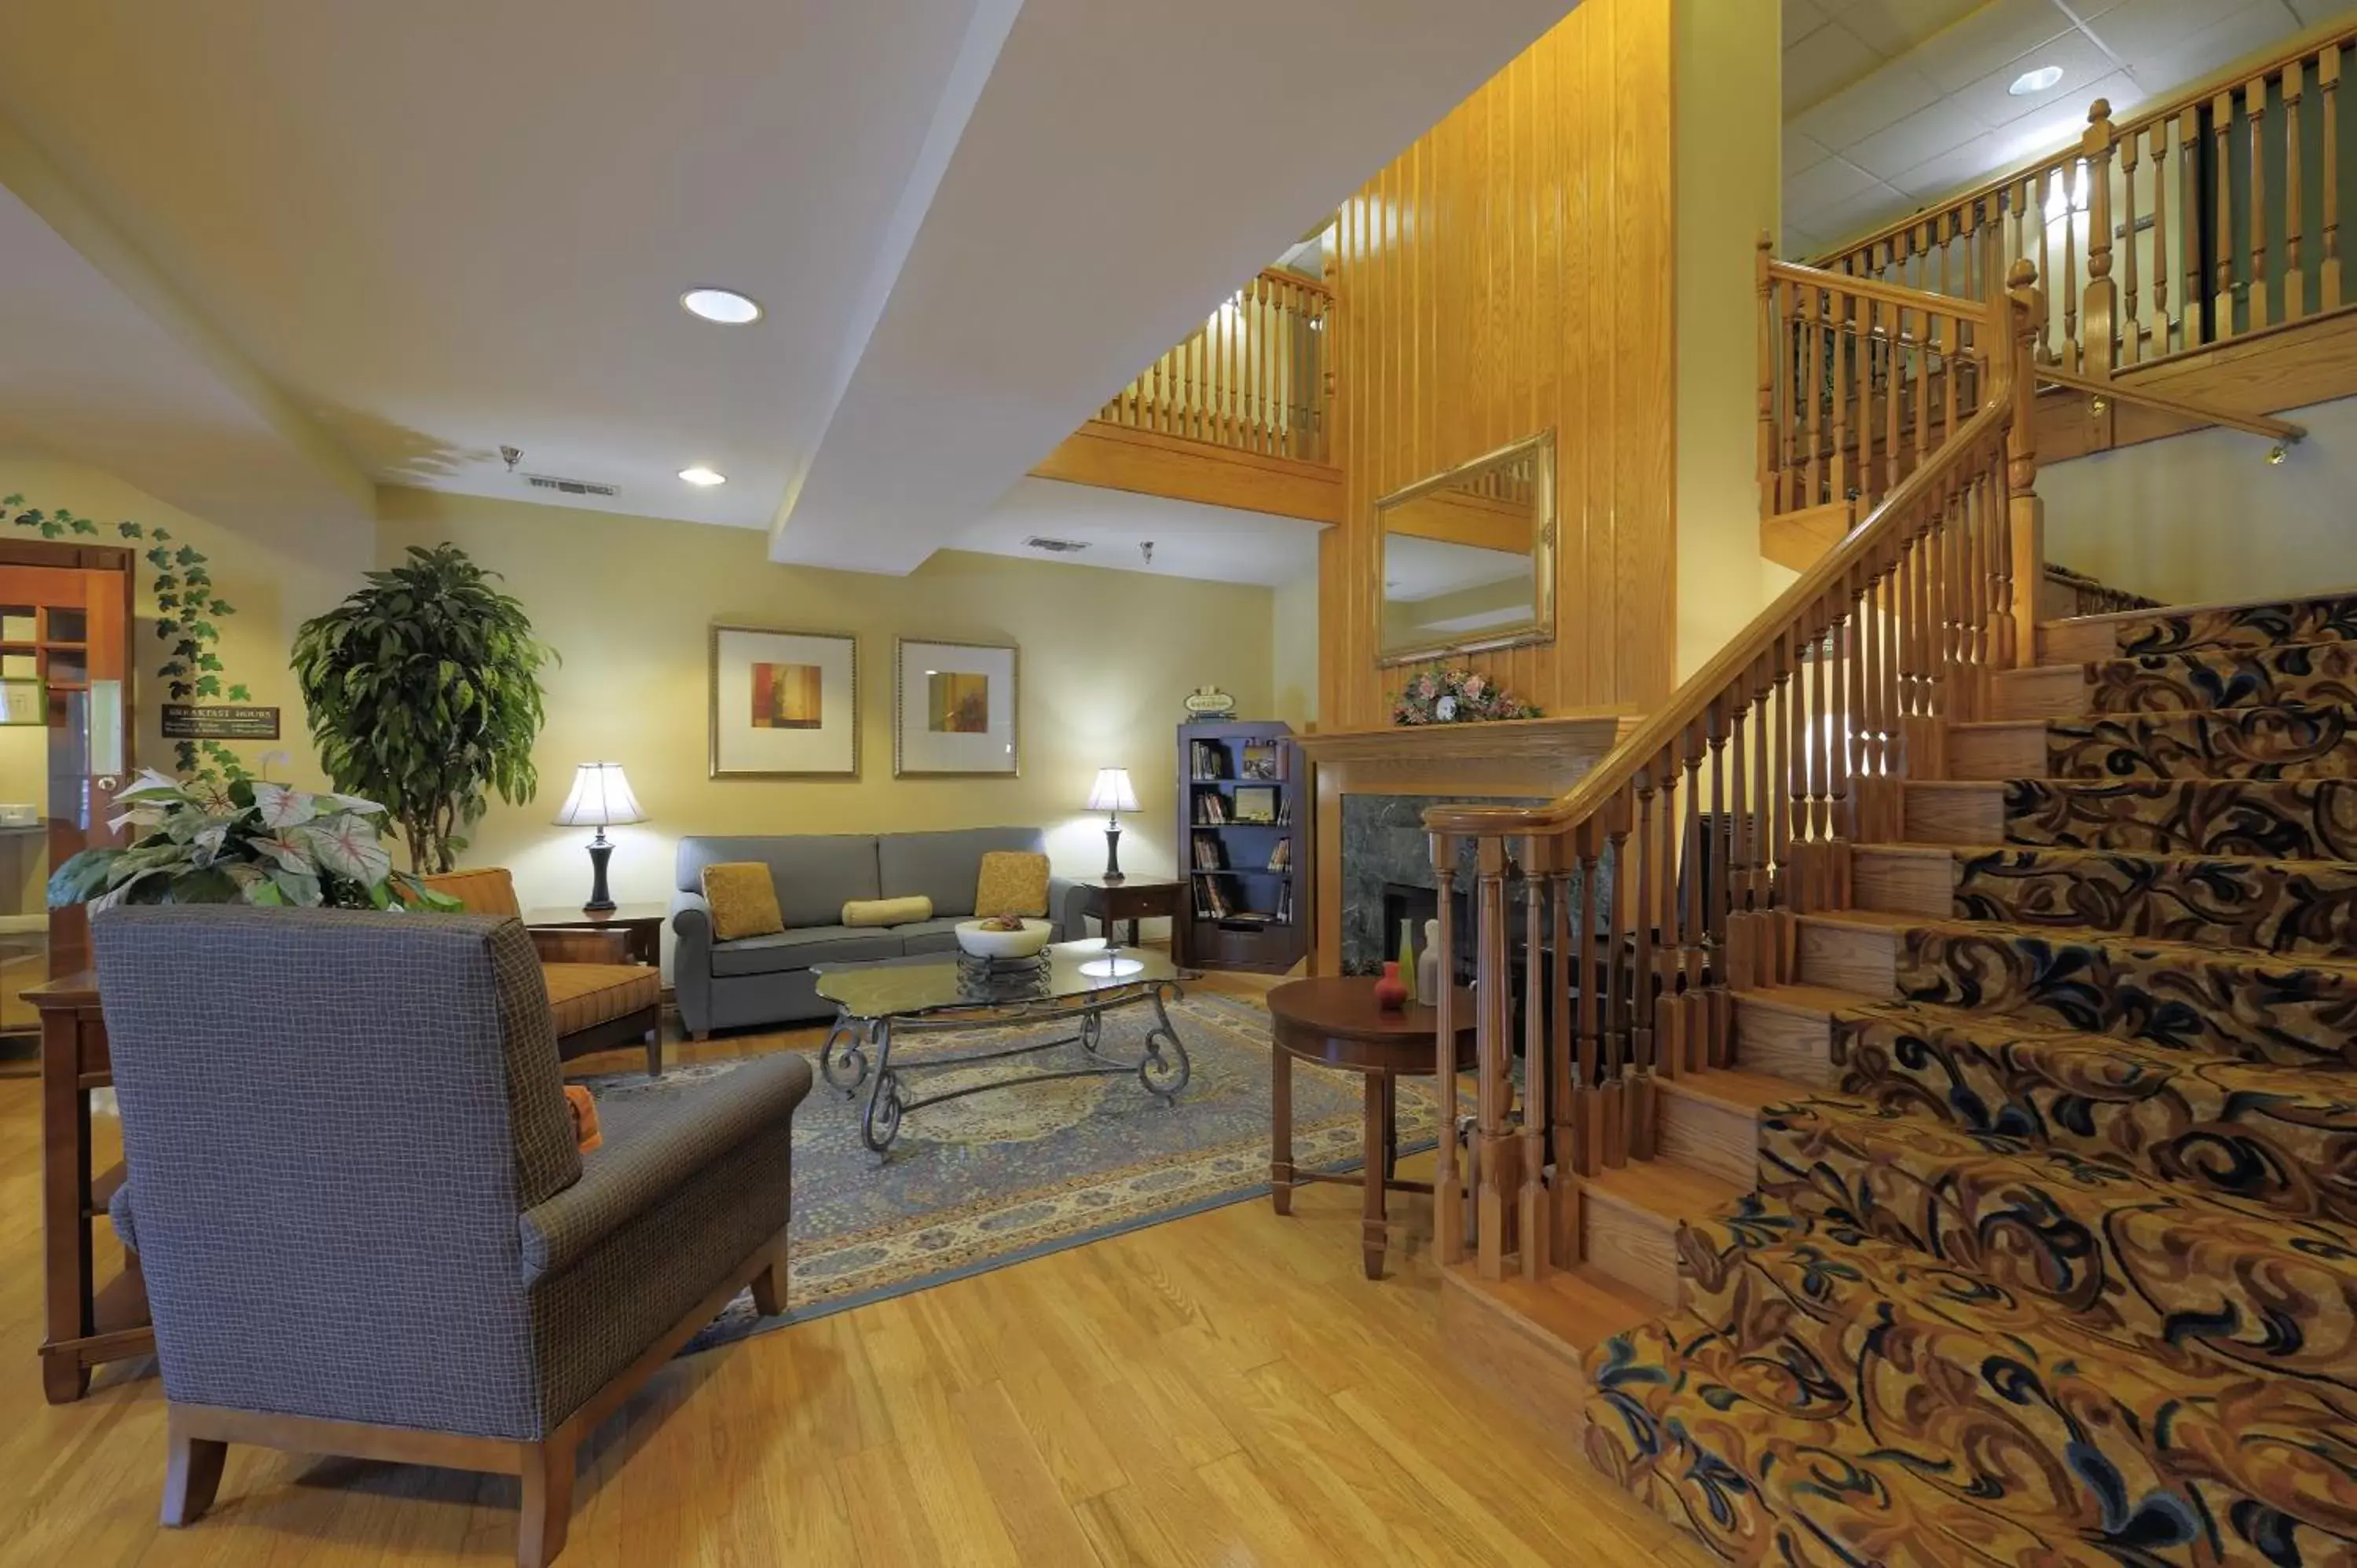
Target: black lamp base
[
  {"x": 1113, "y": 854},
  {"x": 601, "y": 850}
]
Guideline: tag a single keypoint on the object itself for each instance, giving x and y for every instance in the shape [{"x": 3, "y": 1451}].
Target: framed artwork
[
  {"x": 785, "y": 705},
  {"x": 954, "y": 710}
]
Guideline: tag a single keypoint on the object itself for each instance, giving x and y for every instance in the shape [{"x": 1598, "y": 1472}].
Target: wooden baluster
[
  {"x": 1447, "y": 1182},
  {"x": 2053, "y": 352},
  {"x": 1586, "y": 1084},
  {"x": 2328, "y": 80},
  {"x": 1641, "y": 975},
  {"x": 2102, "y": 319},
  {"x": 1563, "y": 1083},
  {"x": 2131, "y": 324},
  {"x": 1493, "y": 1011},
  {"x": 1921, "y": 350},
  {"x": 1792, "y": 827},
  {"x": 1814, "y": 308},
  {"x": 2025, "y": 522},
  {"x": 2073, "y": 349},
  {"x": 2026, "y": 215},
  {"x": 1614, "y": 1113},
  {"x": 1535, "y": 1225},
  {"x": 1893, "y": 380},
  {"x": 2295, "y": 282},
  {"x": 2162, "y": 135},
  {"x": 1837, "y": 339},
  {"x": 1818, "y": 752},
  {"x": 2254, "y": 109},
  {"x": 1718, "y": 857},
  {"x": 1849, "y": 708},
  {"x": 1669, "y": 1017},
  {"x": 2221, "y": 121},
  {"x": 1739, "y": 834},
  {"x": 1690, "y": 918},
  {"x": 1862, "y": 316},
  {"x": 1951, "y": 333}
]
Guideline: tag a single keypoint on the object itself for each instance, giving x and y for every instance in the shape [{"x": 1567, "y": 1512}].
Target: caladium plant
[{"x": 250, "y": 841}]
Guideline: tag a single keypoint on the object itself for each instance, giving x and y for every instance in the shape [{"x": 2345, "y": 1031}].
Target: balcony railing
[
  {"x": 2194, "y": 222},
  {"x": 1253, "y": 378}
]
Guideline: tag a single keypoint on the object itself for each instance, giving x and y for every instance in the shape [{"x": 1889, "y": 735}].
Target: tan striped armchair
[{"x": 598, "y": 998}]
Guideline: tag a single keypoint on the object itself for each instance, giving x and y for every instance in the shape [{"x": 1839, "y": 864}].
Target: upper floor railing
[
  {"x": 1664, "y": 881},
  {"x": 2194, "y": 222},
  {"x": 1254, "y": 379}
]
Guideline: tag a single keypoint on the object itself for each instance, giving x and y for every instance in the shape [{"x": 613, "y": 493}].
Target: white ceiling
[
  {"x": 1890, "y": 104},
  {"x": 1218, "y": 543},
  {"x": 431, "y": 229}
]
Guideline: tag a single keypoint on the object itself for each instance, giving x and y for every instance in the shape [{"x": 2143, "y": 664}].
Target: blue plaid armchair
[{"x": 354, "y": 1192}]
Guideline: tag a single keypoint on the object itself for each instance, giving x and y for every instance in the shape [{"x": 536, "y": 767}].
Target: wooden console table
[{"x": 87, "y": 1323}]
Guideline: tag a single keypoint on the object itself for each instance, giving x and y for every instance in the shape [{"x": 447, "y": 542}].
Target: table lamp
[
  {"x": 601, "y": 797},
  {"x": 1112, "y": 796}
]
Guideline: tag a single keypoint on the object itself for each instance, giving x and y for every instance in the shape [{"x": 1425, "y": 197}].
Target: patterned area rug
[{"x": 978, "y": 1183}]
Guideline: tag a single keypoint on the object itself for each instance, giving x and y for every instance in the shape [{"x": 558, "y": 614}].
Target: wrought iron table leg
[
  {"x": 881, "y": 1123},
  {"x": 1163, "y": 1078},
  {"x": 848, "y": 1070}
]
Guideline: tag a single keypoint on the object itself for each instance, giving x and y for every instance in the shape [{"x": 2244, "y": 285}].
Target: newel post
[
  {"x": 2025, "y": 562},
  {"x": 1769, "y": 500},
  {"x": 2099, "y": 320}
]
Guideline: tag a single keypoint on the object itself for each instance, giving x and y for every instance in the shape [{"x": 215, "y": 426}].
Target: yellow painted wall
[
  {"x": 275, "y": 579},
  {"x": 1726, "y": 104},
  {"x": 1107, "y": 661},
  {"x": 2202, "y": 517},
  {"x": 1293, "y": 654}
]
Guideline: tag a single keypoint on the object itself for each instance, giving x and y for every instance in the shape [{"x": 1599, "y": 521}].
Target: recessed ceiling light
[
  {"x": 2027, "y": 83},
  {"x": 722, "y": 305},
  {"x": 707, "y": 477}
]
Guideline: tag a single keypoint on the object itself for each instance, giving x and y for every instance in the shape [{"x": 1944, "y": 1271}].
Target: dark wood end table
[
  {"x": 1335, "y": 1021},
  {"x": 1133, "y": 898},
  {"x": 640, "y": 925},
  {"x": 86, "y": 1322}
]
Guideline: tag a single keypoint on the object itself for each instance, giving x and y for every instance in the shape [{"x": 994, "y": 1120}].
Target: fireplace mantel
[{"x": 1526, "y": 758}]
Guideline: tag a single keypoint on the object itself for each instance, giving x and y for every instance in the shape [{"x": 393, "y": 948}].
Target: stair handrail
[
  {"x": 1822, "y": 704},
  {"x": 2282, "y": 431}
]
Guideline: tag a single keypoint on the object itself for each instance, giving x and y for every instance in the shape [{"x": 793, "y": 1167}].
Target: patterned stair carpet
[{"x": 2066, "y": 1270}]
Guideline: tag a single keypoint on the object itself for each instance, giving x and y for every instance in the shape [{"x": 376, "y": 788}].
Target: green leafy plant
[
  {"x": 188, "y": 612},
  {"x": 423, "y": 691},
  {"x": 247, "y": 842}
]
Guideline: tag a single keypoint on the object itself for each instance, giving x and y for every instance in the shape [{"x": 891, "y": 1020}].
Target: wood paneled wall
[{"x": 1512, "y": 272}]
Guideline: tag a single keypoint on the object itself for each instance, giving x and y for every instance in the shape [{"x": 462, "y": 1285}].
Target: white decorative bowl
[{"x": 981, "y": 943}]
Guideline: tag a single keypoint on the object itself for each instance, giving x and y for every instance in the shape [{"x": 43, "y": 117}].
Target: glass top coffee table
[{"x": 881, "y": 1002}]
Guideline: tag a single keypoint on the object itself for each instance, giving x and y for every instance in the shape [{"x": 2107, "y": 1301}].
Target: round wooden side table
[{"x": 1335, "y": 1021}]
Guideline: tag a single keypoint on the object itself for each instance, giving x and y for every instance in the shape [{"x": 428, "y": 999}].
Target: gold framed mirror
[{"x": 1467, "y": 556}]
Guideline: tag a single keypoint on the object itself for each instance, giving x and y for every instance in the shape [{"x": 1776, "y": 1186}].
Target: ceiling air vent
[
  {"x": 1055, "y": 546},
  {"x": 572, "y": 487}
]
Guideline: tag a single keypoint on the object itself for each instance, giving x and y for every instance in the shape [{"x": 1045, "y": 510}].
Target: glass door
[{"x": 64, "y": 749}]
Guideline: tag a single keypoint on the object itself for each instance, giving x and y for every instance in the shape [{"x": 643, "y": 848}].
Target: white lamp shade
[
  {"x": 1113, "y": 791},
  {"x": 601, "y": 797}
]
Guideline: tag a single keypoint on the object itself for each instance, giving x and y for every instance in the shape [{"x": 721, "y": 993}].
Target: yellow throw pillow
[
  {"x": 887, "y": 911},
  {"x": 744, "y": 900},
  {"x": 1013, "y": 882}
]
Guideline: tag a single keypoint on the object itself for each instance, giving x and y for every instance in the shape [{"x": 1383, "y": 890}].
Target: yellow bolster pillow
[{"x": 887, "y": 911}]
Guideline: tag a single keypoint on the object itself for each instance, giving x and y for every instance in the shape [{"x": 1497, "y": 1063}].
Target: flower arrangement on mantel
[{"x": 1459, "y": 696}]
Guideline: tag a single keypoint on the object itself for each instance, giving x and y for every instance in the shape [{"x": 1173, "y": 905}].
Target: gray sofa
[{"x": 767, "y": 979}]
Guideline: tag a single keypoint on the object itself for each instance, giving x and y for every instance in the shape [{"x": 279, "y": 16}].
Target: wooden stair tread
[
  {"x": 1580, "y": 1306},
  {"x": 1808, "y": 1000},
  {"x": 1661, "y": 1189},
  {"x": 1988, "y": 726},
  {"x": 1731, "y": 1088}
]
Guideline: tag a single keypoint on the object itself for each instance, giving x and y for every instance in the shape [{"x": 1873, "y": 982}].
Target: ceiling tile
[
  {"x": 2311, "y": 12},
  {"x": 1991, "y": 101},
  {"x": 2005, "y": 30},
  {"x": 2170, "y": 56},
  {"x": 1927, "y": 132},
  {"x": 1822, "y": 64},
  {"x": 1802, "y": 18},
  {"x": 1800, "y": 244},
  {"x": 1893, "y": 26},
  {"x": 1868, "y": 210},
  {"x": 1885, "y": 97},
  {"x": 1800, "y": 152},
  {"x": 1957, "y": 169},
  {"x": 1833, "y": 180}
]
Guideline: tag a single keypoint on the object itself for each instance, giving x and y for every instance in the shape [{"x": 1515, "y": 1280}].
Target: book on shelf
[
  {"x": 1207, "y": 761},
  {"x": 1209, "y": 854},
  {"x": 1281, "y": 857},
  {"x": 1212, "y": 809}
]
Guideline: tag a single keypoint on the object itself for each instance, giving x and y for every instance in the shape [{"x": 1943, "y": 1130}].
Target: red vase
[{"x": 1390, "y": 992}]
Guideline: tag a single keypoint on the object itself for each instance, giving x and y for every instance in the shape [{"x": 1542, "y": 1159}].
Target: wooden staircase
[{"x": 1985, "y": 1010}]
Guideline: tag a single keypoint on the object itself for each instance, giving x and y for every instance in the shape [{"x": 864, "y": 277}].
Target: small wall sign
[{"x": 189, "y": 721}]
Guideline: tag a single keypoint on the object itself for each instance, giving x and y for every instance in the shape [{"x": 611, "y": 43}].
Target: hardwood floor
[{"x": 1223, "y": 1390}]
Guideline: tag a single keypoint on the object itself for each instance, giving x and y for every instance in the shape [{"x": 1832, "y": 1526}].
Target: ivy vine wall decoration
[{"x": 188, "y": 610}]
